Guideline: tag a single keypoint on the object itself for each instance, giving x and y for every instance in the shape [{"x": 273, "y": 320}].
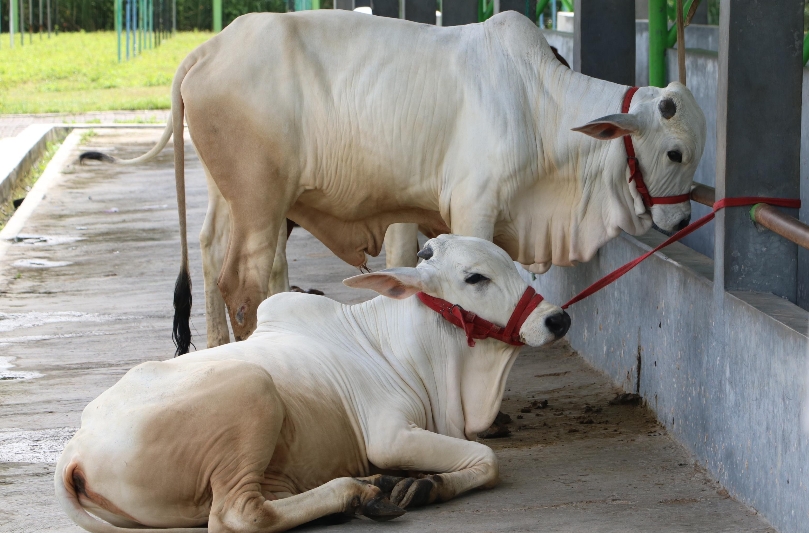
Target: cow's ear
[
  {"x": 398, "y": 283},
  {"x": 611, "y": 127}
]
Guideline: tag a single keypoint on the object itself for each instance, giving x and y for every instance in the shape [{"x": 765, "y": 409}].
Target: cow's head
[
  {"x": 474, "y": 274},
  {"x": 668, "y": 131}
]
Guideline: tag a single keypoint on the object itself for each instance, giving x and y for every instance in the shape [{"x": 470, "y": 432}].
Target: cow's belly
[{"x": 152, "y": 449}]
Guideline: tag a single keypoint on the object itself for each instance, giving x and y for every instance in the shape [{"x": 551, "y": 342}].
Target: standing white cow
[
  {"x": 272, "y": 432},
  {"x": 346, "y": 124}
]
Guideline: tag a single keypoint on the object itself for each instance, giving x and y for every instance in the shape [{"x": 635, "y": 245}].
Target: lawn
[{"x": 77, "y": 72}]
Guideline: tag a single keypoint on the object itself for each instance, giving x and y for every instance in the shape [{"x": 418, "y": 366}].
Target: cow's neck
[
  {"x": 460, "y": 387},
  {"x": 580, "y": 198}
]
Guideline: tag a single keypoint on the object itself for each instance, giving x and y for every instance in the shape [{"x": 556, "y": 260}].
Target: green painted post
[
  {"x": 541, "y": 5},
  {"x": 806, "y": 49},
  {"x": 12, "y": 19},
  {"x": 217, "y": 16},
  {"x": 658, "y": 32},
  {"x": 151, "y": 24},
  {"x": 118, "y": 25}
]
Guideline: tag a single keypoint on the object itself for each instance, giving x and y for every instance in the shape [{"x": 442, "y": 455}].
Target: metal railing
[{"x": 765, "y": 215}]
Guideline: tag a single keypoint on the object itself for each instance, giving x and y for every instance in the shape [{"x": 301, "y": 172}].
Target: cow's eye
[
  {"x": 476, "y": 278},
  {"x": 675, "y": 155}
]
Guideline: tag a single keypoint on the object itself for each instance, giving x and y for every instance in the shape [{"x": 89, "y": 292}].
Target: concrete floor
[{"x": 68, "y": 332}]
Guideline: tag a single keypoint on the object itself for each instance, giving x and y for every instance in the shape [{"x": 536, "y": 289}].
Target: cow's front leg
[
  {"x": 248, "y": 510},
  {"x": 471, "y": 217},
  {"x": 461, "y": 465},
  {"x": 401, "y": 245}
]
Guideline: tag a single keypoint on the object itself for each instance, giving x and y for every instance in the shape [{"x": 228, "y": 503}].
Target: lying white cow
[
  {"x": 272, "y": 432},
  {"x": 346, "y": 124}
]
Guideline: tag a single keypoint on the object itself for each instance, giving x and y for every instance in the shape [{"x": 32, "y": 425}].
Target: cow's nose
[
  {"x": 683, "y": 223},
  {"x": 558, "y": 324}
]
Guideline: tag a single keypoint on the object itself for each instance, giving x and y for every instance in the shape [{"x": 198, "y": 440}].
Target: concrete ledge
[
  {"x": 19, "y": 154},
  {"x": 725, "y": 373}
]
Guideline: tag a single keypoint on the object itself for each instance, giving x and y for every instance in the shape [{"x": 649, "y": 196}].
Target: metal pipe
[
  {"x": 784, "y": 225},
  {"x": 765, "y": 215},
  {"x": 702, "y": 194},
  {"x": 671, "y": 37},
  {"x": 658, "y": 31},
  {"x": 12, "y": 21},
  {"x": 680, "y": 24}
]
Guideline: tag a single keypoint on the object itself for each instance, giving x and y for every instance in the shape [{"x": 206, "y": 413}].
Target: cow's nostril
[
  {"x": 683, "y": 223},
  {"x": 558, "y": 324}
]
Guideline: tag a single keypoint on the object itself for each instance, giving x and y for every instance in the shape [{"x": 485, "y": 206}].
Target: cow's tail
[
  {"x": 69, "y": 500},
  {"x": 106, "y": 158},
  {"x": 181, "y": 331}
]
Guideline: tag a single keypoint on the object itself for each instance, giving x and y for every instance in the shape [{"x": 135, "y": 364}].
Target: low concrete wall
[
  {"x": 725, "y": 373},
  {"x": 19, "y": 155}
]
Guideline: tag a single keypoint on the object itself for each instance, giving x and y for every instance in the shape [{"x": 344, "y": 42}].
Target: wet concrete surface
[{"x": 86, "y": 293}]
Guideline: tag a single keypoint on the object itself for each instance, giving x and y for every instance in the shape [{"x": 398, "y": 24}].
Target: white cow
[
  {"x": 346, "y": 124},
  {"x": 293, "y": 423}
]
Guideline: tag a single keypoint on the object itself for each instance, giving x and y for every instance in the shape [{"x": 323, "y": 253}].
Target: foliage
[{"x": 76, "y": 72}]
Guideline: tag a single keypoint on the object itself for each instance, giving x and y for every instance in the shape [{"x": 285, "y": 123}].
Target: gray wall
[
  {"x": 702, "y": 43},
  {"x": 724, "y": 373}
]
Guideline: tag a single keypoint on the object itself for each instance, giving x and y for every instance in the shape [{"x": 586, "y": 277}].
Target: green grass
[{"x": 78, "y": 72}]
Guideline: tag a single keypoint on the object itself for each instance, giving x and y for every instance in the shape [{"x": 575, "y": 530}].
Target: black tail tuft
[
  {"x": 96, "y": 156},
  {"x": 181, "y": 333}
]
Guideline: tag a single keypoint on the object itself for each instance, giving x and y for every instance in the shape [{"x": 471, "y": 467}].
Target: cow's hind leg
[
  {"x": 213, "y": 240},
  {"x": 250, "y": 511}
]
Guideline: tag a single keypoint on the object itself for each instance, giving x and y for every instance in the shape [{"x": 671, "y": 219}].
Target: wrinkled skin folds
[{"x": 234, "y": 436}]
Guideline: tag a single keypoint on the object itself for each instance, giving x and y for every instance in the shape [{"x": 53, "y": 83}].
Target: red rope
[
  {"x": 635, "y": 173},
  {"x": 476, "y": 327},
  {"x": 719, "y": 204}
]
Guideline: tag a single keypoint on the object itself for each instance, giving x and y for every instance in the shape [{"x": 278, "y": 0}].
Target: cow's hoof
[
  {"x": 384, "y": 482},
  {"x": 381, "y": 510},
  {"x": 412, "y": 492}
]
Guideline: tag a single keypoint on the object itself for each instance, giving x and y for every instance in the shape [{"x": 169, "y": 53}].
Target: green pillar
[
  {"x": 217, "y": 16},
  {"x": 12, "y": 18},
  {"x": 658, "y": 33},
  {"x": 118, "y": 25}
]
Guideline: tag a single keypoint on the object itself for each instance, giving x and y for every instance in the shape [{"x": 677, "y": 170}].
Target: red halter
[
  {"x": 478, "y": 328},
  {"x": 634, "y": 166}
]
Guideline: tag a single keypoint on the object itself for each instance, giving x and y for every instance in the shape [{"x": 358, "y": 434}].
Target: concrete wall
[
  {"x": 725, "y": 373},
  {"x": 702, "y": 44}
]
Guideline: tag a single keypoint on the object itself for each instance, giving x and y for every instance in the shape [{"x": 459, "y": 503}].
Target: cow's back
[{"x": 349, "y": 104}]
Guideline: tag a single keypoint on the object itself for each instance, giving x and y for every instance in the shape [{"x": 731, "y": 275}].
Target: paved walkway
[
  {"x": 86, "y": 295},
  {"x": 11, "y": 125}
]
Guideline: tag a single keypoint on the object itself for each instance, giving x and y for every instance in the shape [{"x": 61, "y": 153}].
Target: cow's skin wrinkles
[
  {"x": 347, "y": 124},
  {"x": 320, "y": 394}
]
